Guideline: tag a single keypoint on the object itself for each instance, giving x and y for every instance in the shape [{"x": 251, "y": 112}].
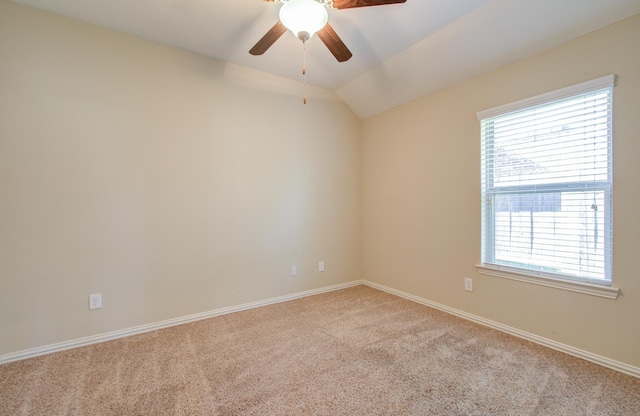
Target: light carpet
[{"x": 356, "y": 351}]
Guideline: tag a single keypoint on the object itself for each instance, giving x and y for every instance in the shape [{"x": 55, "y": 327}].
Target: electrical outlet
[
  {"x": 95, "y": 301},
  {"x": 321, "y": 266},
  {"x": 294, "y": 271},
  {"x": 468, "y": 284}
]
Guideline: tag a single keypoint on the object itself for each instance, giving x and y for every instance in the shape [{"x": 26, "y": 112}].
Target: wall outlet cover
[{"x": 95, "y": 301}]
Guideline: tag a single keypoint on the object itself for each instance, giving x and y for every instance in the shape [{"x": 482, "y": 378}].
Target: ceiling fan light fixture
[{"x": 303, "y": 17}]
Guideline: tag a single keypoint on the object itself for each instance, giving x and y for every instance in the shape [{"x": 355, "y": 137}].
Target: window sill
[{"x": 580, "y": 287}]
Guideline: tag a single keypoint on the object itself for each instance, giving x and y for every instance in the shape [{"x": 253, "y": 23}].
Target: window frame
[{"x": 488, "y": 266}]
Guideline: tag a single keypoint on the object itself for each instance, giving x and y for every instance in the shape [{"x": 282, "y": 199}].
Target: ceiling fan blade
[
  {"x": 330, "y": 38},
  {"x": 268, "y": 39},
  {"x": 350, "y": 4}
]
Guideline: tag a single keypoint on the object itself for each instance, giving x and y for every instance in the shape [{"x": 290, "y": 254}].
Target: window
[{"x": 546, "y": 184}]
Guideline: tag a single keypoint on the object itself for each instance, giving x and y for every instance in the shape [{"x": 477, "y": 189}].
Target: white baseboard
[
  {"x": 594, "y": 358},
  {"x": 94, "y": 339},
  {"x": 80, "y": 342}
]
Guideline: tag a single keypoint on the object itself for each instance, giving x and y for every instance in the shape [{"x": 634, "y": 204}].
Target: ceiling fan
[{"x": 315, "y": 17}]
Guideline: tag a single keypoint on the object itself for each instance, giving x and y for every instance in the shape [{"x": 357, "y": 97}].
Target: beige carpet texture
[{"x": 356, "y": 351}]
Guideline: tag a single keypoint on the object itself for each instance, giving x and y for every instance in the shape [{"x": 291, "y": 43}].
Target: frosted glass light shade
[{"x": 303, "y": 17}]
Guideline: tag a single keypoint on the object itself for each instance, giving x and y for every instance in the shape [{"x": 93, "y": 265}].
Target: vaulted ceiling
[{"x": 400, "y": 52}]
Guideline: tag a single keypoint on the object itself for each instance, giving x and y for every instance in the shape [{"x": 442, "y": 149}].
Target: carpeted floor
[{"x": 357, "y": 351}]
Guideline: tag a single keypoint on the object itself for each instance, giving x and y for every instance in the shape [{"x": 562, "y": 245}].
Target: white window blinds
[{"x": 546, "y": 183}]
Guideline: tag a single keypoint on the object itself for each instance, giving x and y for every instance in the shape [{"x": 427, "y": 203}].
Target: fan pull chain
[{"x": 304, "y": 71}]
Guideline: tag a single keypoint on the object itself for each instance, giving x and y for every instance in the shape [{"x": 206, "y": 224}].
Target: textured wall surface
[{"x": 171, "y": 183}]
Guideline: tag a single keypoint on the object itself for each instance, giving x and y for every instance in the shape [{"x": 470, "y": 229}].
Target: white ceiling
[{"x": 400, "y": 52}]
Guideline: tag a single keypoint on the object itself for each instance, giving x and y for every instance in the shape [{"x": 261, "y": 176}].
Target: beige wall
[
  {"x": 169, "y": 182},
  {"x": 421, "y": 198}
]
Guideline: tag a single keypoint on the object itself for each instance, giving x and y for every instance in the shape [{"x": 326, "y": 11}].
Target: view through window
[{"x": 546, "y": 185}]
